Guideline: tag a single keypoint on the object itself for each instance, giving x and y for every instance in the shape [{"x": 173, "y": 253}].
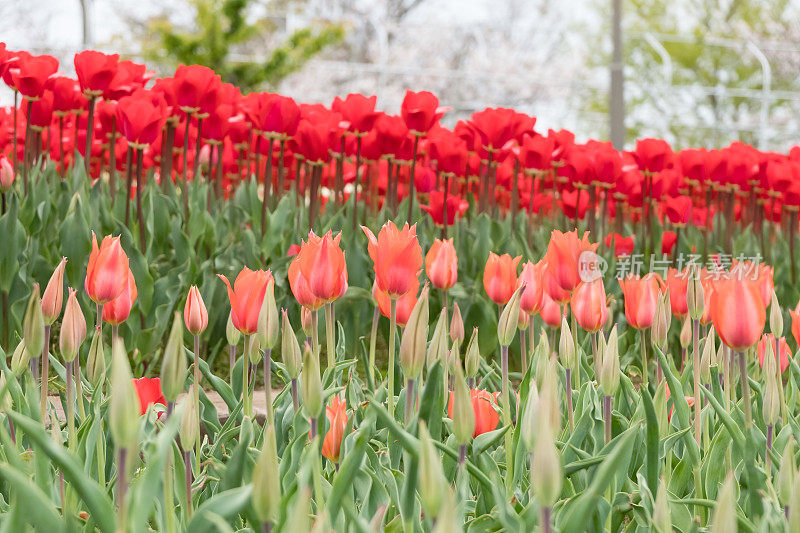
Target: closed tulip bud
[
  {"x": 507, "y": 325},
  {"x": 708, "y": 358},
  {"x": 437, "y": 349},
  {"x": 6, "y": 403},
  {"x": 268, "y": 319},
  {"x": 415, "y": 337},
  {"x": 694, "y": 296},
  {"x": 463, "y": 413},
  {"x": 566, "y": 347},
  {"x": 73, "y": 328},
  {"x": 301, "y": 513},
  {"x": 232, "y": 334},
  {"x": 660, "y": 405},
  {"x": 794, "y": 506},
  {"x": 124, "y": 403},
  {"x": 686, "y": 332},
  {"x": 546, "y": 474},
  {"x": 661, "y": 516},
  {"x": 96, "y": 360},
  {"x": 307, "y": 321},
  {"x": 523, "y": 322},
  {"x": 195, "y": 315},
  {"x": 55, "y": 429},
  {"x": 771, "y": 407},
  {"x": 189, "y": 422},
  {"x": 33, "y": 324},
  {"x": 609, "y": 367},
  {"x": 433, "y": 485},
  {"x": 290, "y": 349},
  {"x": 53, "y": 296},
  {"x": 6, "y": 174},
  {"x": 310, "y": 384},
  {"x": 786, "y": 473},
  {"x": 174, "y": 365},
  {"x": 472, "y": 359},
  {"x": 447, "y": 522},
  {"x": 775, "y": 317},
  {"x": 267, "y": 479},
  {"x": 548, "y": 407},
  {"x": 528, "y": 425},
  {"x": 724, "y": 518},
  {"x": 20, "y": 359},
  {"x": 457, "y": 326},
  {"x": 660, "y": 327}
]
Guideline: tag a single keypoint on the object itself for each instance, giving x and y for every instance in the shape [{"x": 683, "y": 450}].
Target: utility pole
[
  {"x": 86, "y": 20},
  {"x": 616, "y": 108}
]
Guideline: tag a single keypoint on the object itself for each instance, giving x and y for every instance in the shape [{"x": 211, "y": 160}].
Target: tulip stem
[
  {"x": 546, "y": 525},
  {"x": 266, "y": 527},
  {"x": 245, "y": 375},
  {"x": 409, "y": 401},
  {"x": 45, "y": 375},
  {"x": 523, "y": 350},
  {"x": 79, "y": 387},
  {"x": 748, "y": 408},
  {"x": 607, "y": 417},
  {"x": 87, "y": 160},
  {"x": 169, "y": 517},
  {"x": 187, "y": 469},
  {"x": 197, "y": 388},
  {"x": 643, "y": 346},
  {"x": 329, "y": 335},
  {"x": 568, "y": 393},
  {"x": 698, "y": 421},
  {"x": 122, "y": 486},
  {"x": 390, "y": 370},
  {"x": 71, "y": 433},
  {"x": 295, "y": 399},
  {"x": 268, "y": 386},
  {"x": 412, "y": 178},
  {"x": 767, "y": 457},
  {"x": 372, "y": 340},
  {"x": 231, "y": 361},
  {"x": 507, "y": 417}
]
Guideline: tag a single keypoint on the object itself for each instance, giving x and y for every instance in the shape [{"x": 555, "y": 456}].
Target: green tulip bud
[
  {"x": 660, "y": 406},
  {"x": 310, "y": 383},
  {"x": 566, "y": 347},
  {"x": 96, "y": 360},
  {"x": 437, "y": 350},
  {"x": 267, "y": 480},
  {"x": 528, "y": 425},
  {"x": 472, "y": 359},
  {"x": 509, "y": 318},
  {"x": 786, "y": 473},
  {"x": 231, "y": 333},
  {"x": 546, "y": 474},
  {"x": 609, "y": 369},
  {"x": 661, "y": 515},
  {"x": 775, "y": 317},
  {"x": 541, "y": 356},
  {"x": 432, "y": 483},
  {"x": 124, "y": 403},
  {"x": 771, "y": 406},
  {"x": 290, "y": 349},
  {"x": 174, "y": 365},
  {"x": 694, "y": 295},
  {"x": 724, "y": 518},
  {"x": 55, "y": 429},
  {"x": 190, "y": 425},
  {"x": 463, "y": 414},
  {"x": 415, "y": 337},
  {"x": 301, "y": 512},
  {"x": 20, "y": 359},
  {"x": 447, "y": 522},
  {"x": 457, "y": 326},
  {"x": 661, "y": 319},
  {"x": 794, "y": 506},
  {"x": 268, "y": 319},
  {"x": 6, "y": 403},
  {"x": 708, "y": 358},
  {"x": 686, "y": 332},
  {"x": 548, "y": 407},
  {"x": 33, "y": 324}
]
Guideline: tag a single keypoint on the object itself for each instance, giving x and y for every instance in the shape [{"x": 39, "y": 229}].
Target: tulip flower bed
[{"x": 489, "y": 367}]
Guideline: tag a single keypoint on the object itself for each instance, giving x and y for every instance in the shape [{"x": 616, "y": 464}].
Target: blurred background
[{"x": 695, "y": 72}]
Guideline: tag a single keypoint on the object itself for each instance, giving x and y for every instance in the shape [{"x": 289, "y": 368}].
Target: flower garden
[{"x": 483, "y": 328}]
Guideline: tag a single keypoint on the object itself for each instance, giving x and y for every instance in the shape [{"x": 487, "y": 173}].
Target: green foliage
[{"x": 224, "y": 29}]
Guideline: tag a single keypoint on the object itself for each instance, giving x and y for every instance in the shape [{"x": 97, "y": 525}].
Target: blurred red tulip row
[{"x": 193, "y": 122}]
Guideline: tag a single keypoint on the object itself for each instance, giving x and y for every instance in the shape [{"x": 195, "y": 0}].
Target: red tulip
[
  {"x": 195, "y": 315},
  {"x": 322, "y": 264},
  {"x": 623, "y": 246},
  {"x": 738, "y": 312},
  {"x": 449, "y": 151},
  {"x": 31, "y": 74},
  {"x": 118, "y": 310},
  {"x": 500, "y": 277},
  {"x": 66, "y": 94},
  {"x": 456, "y": 206},
  {"x": 129, "y": 78},
  {"x": 421, "y": 111},
  {"x": 107, "y": 271},
  {"x": 564, "y": 255},
  {"x": 246, "y": 297},
  {"x": 311, "y": 141},
  {"x": 785, "y": 352},
  {"x": 795, "y": 315},
  {"x": 441, "y": 264},
  {"x": 358, "y": 111},
  {"x": 405, "y": 303},
  {"x": 652, "y": 155},
  {"x": 337, "y": 421},
  {"x": 668, "y": 241},
  {"x": 95, "y": 70},
  {"x": 396, "y": 257},
  {"x": 641, "y": 294},
  {"x": 192, "y": 85},
  {"x": 589, "y": 305},
  {"x": 484, "y": 405},
  {"x": 532, "y": 297},
  {"x": 141, "y": 117},
  {"x": 149, "y": 392}
]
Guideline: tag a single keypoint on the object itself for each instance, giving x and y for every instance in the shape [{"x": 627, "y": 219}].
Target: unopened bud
[
  {"x": 566, "y": 347},
  {"x": 794, "y": 506},
  {"x": 290, "y": 349},
  {"x": 190, "y": 429},
  {"x": 708, "y": 358},
  {"x": 124, "y": 403},
  {"x": 73, "y": 328},
  {"x": 724, "y": 518},
  {"x": 437, "y": 349},
  {"x": 96, "y": 360},
  {"x": 771, "y": 406},
  {"x": 463, "y": 414},
  {"x": 609, "y": 367},
  {"x": 775, "y": 317},
  {"x": 20, "y": 359},
  {"x": 524, "y": 321},
  {"x": 33, "y": 324},
  {"x": 415, "y": 338},
  {"x": 548, "y": 408},
  {"x": 528, "y": 425},
  {"x": 267, "y": 480},
  {"x": 268, "y": 319},
  {"x": 432, "y": 483},
  {"x": 546, "y": 475},
  {"x": 301, "y": 513},
  {"x": 658, "y": 331},
  {"x": 786, "y": 473},
  {"x": 694, "y": 295},
  {"x": 307, "y": 321},
  {"x": 174, "y": 365},
  {"x": 310, "y": 383},
  {"x": 507, "y": 325},
  {"x": 457, "y": 326},
  {"x": 6, "y": 174},
  {"x": 447, "y": 522},
  {"x": 231, "y": 333},
  {"x": 472, "y": 358},
  {"x": 53, "y": 296},
  {"x": 686, "y": 332},
  {"x": 660, "y": 405},
  {"x": 661, "y": 515},
  {"x": 195, "y": 314}
]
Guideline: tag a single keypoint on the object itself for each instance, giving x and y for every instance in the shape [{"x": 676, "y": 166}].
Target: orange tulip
[
  {"x": 106, "y": 273},
  {"x": 246, "y": 298},
  {"x": 795, "y": 314},
  {"x": 550, "y": 312},
  {"x": 484, "y": 405},
  {"x": 761, "y": 273},
  {"x": 321, "y": 263},
  {"x": 707, "y": 281},
  {"x": 441, "y": 264},
  {"x": 738, "y": 312},
  {"x": 532, "y": 296},
  {"x": 552, "y": 288},
  {"x": 769, "y": 338},
  {"x": 640, "y": 295},
  {"x": 404, "y": 304},
  {"x": 563, "y": 256},
  {"x": 500, "y": 277},
  {"x": 118, "y": 310},
  {"x": 677, "y": 283},
  {"x": 53, "y": 297},
  {"x": 589, "y": 305},
  {"x": 337, "y": 421},
  {"x": 195, "y": 315},
  {"x": 396, "y": 257},
  {"x": 301, "y": 289}
]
